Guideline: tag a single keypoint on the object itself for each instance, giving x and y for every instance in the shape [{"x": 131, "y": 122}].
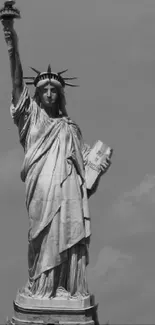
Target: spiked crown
[{"x": 55, "y": 78}]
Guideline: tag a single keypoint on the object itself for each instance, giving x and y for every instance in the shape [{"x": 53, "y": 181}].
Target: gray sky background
[{"x": 110, "y": 46}]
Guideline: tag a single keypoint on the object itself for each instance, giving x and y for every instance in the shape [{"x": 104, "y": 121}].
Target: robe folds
[{"x": 54, "y": 174}]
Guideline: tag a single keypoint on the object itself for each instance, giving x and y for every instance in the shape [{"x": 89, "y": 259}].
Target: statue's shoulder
[
  {"x": 73, "y": 125},
  {"x": 71, "y": 121}
]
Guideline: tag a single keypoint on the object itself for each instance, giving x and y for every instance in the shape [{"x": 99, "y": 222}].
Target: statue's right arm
[{"x": 15, "y": 63}]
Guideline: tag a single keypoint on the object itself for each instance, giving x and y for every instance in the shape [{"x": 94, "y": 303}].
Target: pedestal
[{"x": 58, "y": 310}]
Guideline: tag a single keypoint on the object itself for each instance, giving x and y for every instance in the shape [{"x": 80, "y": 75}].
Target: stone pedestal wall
[{"x": 30, "y": 311}]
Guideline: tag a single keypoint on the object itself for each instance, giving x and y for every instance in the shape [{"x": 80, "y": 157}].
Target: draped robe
[{"x": 56, "y": 199}]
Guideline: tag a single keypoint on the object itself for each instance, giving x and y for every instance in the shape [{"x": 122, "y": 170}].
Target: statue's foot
[
  {"x": 62, "y": 292},
  {"x": 25, "y": 291},
  {"x": 79, "y": 295}
]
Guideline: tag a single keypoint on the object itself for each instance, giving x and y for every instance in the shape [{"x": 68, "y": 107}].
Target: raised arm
[{"x": 11, "y": 39}]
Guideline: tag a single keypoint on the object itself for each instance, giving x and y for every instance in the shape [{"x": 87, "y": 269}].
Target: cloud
[
  {"x": 123, "y": 275},
  {"x": 143, "y": 188},
  {"x": 131, "y": 214},
  {"x": 109, "y": 271},
  {"x": 108, "y": 259}
]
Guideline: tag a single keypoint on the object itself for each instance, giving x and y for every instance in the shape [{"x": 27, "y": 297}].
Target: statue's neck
[{"x": 52, "y": 112}]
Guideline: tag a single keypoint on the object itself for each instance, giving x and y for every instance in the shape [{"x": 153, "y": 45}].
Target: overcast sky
[{"x": 110, "y": 46}]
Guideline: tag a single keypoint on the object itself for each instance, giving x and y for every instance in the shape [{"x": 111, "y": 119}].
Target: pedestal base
[{"x": 28, "y": 311}]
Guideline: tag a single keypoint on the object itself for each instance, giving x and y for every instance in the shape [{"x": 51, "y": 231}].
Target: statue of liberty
[{"x": 54, "y": 175}]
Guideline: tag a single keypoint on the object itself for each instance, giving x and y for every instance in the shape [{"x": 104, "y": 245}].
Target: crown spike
[
  {"x": 30, "y": 78},
  {"x": 29, "y": 83},
  {"x": 49, "y": 69},
  {"x": 61, "y": 72},
  {"x": 70, "y": 78},
  {"x": 38, "y": 72},
  {"x": 70, "y": 85},
  {"x": 49, "y": 74}
]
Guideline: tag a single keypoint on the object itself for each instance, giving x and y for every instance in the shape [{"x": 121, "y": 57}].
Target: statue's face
[{"x": 48, "y": 95}]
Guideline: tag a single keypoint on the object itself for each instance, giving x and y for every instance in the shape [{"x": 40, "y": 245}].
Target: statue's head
[
  {"x": 50, "y": 97},
  {"x": 50, "y": 89}
]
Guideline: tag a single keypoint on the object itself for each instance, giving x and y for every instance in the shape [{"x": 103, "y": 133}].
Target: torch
[{"x": 9, "y": 11}]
